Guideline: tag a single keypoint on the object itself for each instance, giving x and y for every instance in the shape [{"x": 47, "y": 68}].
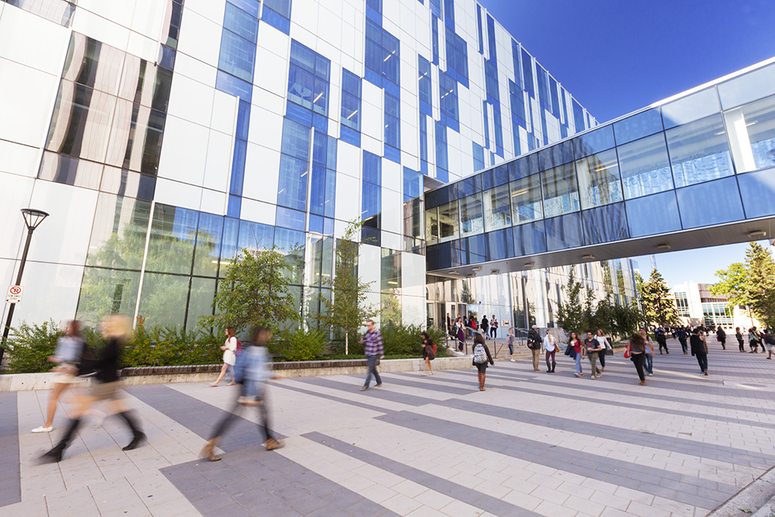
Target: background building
[
  {"x": 698, "y": 306},
  {"x": 162, "y": 136}
]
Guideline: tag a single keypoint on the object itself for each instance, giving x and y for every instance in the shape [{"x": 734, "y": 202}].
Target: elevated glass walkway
[{"x": 692, "y": 171}]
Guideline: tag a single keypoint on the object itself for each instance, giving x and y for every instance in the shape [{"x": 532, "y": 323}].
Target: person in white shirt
[
  {"x": 605, "y": 344},
  {"x": 550, "y": 344},
  {"x": 229, "y": 357}
]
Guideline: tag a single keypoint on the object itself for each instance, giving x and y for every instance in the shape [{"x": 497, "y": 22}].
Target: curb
[{"x": 759, "y": 494}]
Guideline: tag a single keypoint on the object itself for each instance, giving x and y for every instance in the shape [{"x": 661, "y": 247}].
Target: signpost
[{"x": 14, "y": 294}]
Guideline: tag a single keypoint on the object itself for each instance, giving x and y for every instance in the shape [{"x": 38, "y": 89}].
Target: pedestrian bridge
[{"x": 693, "y": 171}]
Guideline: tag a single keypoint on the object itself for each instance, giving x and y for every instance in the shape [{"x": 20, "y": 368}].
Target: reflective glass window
[
  {"x": 474, "y": 249},
  {"x": 605, "y": 224},
  {"x": 699, "y": 151},
  {"x": 594, "y": 141},
  {"x": 425, "y": 80},
  {"x": 287, "y": 218},
  {"x": 172, "y": 238},
  {"x": 280, "y": 6},
  {"x": 751, "y": 131},
  {"x": 501, "y": 244},
  {"x": 118, "y": 236},
  {"x": 107, "y": 291},
  {"x": 238, "y": 56},
  {"x": 758, "y": 192},
  {"x": 240, "y": 22},
  {"x": 70, "y": 171},
  {"x": 390, "y": 273},
  {"x": 529, "y": 238},
  {"x": 255, "y": 236},
  {"x": 200, "y": 300},
  {"x": 653, "y": 214},
  {"x": 561, "y": 194},
  {"x": 599, "y": 181},
  {"x": 497, "y": 207},
  {"x": 163, "y": 299},
  {"x": 93, "y": 64},
  {"x": 748, "y": 87},
  {"x": 291, "y": 244},
  {"x": 691, "y": 107},
  {"x": 449, "y": 225},
  {"x": 301, "y": 83},
  {"x": 208, "y": 245},
  {"x": 431, "y": 226},
  {"x": 127, "y": 183},
  {"x": 471, "y": 215},
  {"x": 295, "y": 139},
  {"x": 136, "y": 136},
  {"x": 638, "y": 126},
  {"x": 526, "y": 202},
  {"x": 448, "y": 95},
  {"x": 563, "y": 232},
  {"x": 645, "y": 166},
  {"x": 292, "y": 188},
  {"x": 351, "y": 106},
  {"x": 229, "y": 243},
  {"x": 710, "y": 203}
]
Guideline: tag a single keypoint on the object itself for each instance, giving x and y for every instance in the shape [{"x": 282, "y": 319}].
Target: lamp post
[{"x": 32, "y": 218}]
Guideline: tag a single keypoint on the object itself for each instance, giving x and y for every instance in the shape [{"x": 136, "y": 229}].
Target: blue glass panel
[
  {"x": 749, "y": 87},
  {"x": 351, "y": 83},
  {"x": 350, "y": 136},
  {"x": 295, "y": 139},
  {"x": 501, "y": 244},
  {"x": 372, "y": 14},
  {"x": 699, "y": 151},
  {"x": 441, "y": 147},
  {"x": 392, "y": 88},
  {"x": 500, "y": 176},
  {"x": 373, "y": 77},
  {"x": 280, "y": 23},
  {"x": 491, "y": 38},
  {"x": 594, "y": 142},
  {"x": 478, "y": 152},
  {"x": 605, "y": 224},
  {"x": 292, "y": 184},
  {"x": 476, "y": 249},
  {"x": 637, "y": 126},
  {"x": 432, "y": 258},
  {"x": 238, "y": 56},
  {"x": 229, "y": 244},
  {"x": 322, "y": 67},
  {"x": 233, "y": 86},
  {"x": 449, "y": 10},
  {"x": 237, "y": 20},
  {"x": 563, "y": 232},
  {"x": 479, "y": 26},
  {"x": 167, "y": 58},
  {"x": 320, "y": 123},
  {"x": 527, "y": 72},
  {"x": 303, "y": 56},
  {"x": 555, "y": 97},
  {"x": 320, "y": 149},
  {"x": 301, "y": 86},
  {"x": 371, "y": 236},
  {"x": 726, "y": 204},
  {"x": 515, "y": 61},
  {"x": 375, "y": 4},
  {"x": 255, "y": 236},
  {"x": 425, "y": 82},
  {"x": 578, "y": 117},
  {"x": 288, "y": 218},
  {"x": 442, "y": 174},
  {"x": 329, "y": 204},
  {"x": 320, "y": 97},
  {"x": 243, "y": 119},
  {"x": 372, "y": 168},
  {"x": 392, "y": 154},
  {"x": 655, "y": 214},
  {"x": 234, "y": 207},
  {"x": 238, "y": 167},
  {"x": 282, "y": 7},
  {"x": 691, "y": 107},
  {"x": 315, "y": 223},
  {"x": 758, "y": 191},
  {"x": 328, "y": 226},
  {"x": 299, "y": 114},
  {"x": 529, "y": 238},
  {"x": 412, "y": 183},
  {"x": 485, "y": 113}
]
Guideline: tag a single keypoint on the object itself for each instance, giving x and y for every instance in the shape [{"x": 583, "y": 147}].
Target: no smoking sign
[{"x": 14, "y": 294}]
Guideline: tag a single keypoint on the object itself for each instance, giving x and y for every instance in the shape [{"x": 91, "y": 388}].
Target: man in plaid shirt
[{"x": 374, "y": 352}]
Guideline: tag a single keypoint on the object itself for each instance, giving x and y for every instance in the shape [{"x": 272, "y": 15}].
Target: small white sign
[{"x": 14, "y": 294}]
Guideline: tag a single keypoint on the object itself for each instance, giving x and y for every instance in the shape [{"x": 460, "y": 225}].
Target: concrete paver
[{"x": 532, "y": 444}]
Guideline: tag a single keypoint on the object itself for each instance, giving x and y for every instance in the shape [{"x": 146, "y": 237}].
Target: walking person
[
  {"x": 511, "y": 339},
  {"x": 117, "y": 330},
  {"x": 739, "y": 337},
  {"x": 229, "y": 357},
  {"x": 592, "y": 350},
  {"x": 638, "y": 355},
  {"x": 769, "y": 340},
  {"x": 700, "y": 349},
  {"x": 682, "y": 336},
  {"x": 649, "y": 354},
  {"x": 374, "y": 353},
  {"x": 534, "y": 344},
  {"x": 753, "y": 340},
  {"x": 722, "y": 337},
  {"x": 485, "y": 326},
  {"x": 659, "y": 333},
  {"x": 550, "y": 345},
  {"x": 605, "y": 344},
  {"x": 67, "y": 355},
  {"x": 428, "y": 351},
  {"x": 577, "y": 352},
  {"x": 252, "y": 372},
  {"x": 494, "y": 327},
  {"x": 481, "y": 358},
  {"x": 460, "y": 332}
]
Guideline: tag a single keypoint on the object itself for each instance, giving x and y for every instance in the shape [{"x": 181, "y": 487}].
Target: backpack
[
  {"x": 239, "y": 347},
  {"x": 479, "y": 354},
  {"x": 535, "y": 342}
]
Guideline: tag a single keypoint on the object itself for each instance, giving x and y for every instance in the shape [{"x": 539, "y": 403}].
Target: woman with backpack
[
  {"x": 481, "y": 358},
  {"x": 428, "y": 351},
  {"x": 229, "y": 357}
]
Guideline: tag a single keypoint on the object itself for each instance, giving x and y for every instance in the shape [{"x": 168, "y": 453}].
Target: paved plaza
[{"x": 532, "y": 444}]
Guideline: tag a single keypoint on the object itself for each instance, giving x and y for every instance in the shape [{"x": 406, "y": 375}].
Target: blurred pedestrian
[
  {"x": 117, "y": 330},
  {"x": 576, "y": 352},
  {"x": 550, "y": 345},
  {"x": 753, "y": 340},
  {"x": 534, "y": 344},
  {"x": 67, "y": 355},
  {"x": 638, "y": 355},
  {"x": 649, "y": 354},
  {"x": 592, "y": 350},
  {"x": 682, "y": 336},
  {"x": 510, "y": 339},
  {"x": 428, "y": 351},
  {"x": 374, "y": 353},
  {"x": 605, "y": 344},
  {"x": 700, "y": 349},
  {"x": 229, "y": 357},
  {"x": 768, "y": 341},
  {"x": 494, "y": 327},
  {"x": 481, "y": 358},
  {"x": 739, "y": 337},
  {"x": 722, "y": 337},
  {"x": 485, "y": 327}
]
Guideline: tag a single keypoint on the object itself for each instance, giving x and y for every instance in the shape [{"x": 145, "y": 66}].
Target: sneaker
[
  {"x": 378, "y": 385},
  {"x": 651, "y": 375},
  {"x": 364, "y": 388},
  {"x": 43, "y": 429},
  {"x": 577, "y": 374},
  {"x": 594, "y": 376},
  {"x": 513, "y": 361},
  {"x": 273, "y": 443}
]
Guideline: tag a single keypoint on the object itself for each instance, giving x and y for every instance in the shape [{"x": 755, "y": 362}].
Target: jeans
[
  {"x": 578, "y": 363},
  {"x": 602, "y": 358},
  {"x": 511, "y": 349},
  {"x": 494, "y": 332},
  {"x": 702, "y": 359},
  {"x": 372, "y": 370},
  {"x": 550, "y": 365},
  {"x": 638, "y": 359},
  {"x": 649, "y": 363},
  {"x": 684, "y": 346},
  {"x": 228, "y": 420},
  {"x": 593, "y": 357},
  {"x": 741, "y": 345}
]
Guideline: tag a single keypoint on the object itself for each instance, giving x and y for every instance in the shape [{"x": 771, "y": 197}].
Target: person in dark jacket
[
  {"x": 638, "y": 355},
  {"x": 481, "y": 358},
  {"x": 700, "y": 350},
  {"x": 117, "y": 329},
  {"x": 739, "y": 337},
  {"x": 682, "y": 336},
  {"x": 485, "y": 327},
  {"x": 659, "y": 333},
  {"x": 722, "y": 337}
]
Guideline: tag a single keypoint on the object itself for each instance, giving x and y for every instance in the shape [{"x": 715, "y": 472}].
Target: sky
[{"x": 617, "y": 56}]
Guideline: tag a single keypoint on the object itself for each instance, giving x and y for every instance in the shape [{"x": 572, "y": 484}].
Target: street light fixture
[{"x": 32, "y": 218}]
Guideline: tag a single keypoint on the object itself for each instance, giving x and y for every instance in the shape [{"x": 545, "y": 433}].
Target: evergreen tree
[
  {"x": 658, "y": 307},
  {"x": 760, "y": 283}
]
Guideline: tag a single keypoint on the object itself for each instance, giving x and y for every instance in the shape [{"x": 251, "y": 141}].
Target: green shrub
[
  {"x": 300, "y": 344},
  {"x": 30, "y": 345}
]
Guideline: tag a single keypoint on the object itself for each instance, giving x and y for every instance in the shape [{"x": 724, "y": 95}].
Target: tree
[
  {"x": 390, "y": 313},
  {"x": 347, "y": 309},
  {"x": 255, "y": 292},
  {"x": 658, "y": 307},
  {"x": 733, "y": 283},
  {"x": 570, "y": 315},
  {"x": 760, "y": 283}
]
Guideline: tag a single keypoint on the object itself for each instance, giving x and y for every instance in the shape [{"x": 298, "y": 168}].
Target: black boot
[
  {"x": 55, "y": 454},
  {"x": 138, "y": 435},
  {"x": 554, "y": 365}
]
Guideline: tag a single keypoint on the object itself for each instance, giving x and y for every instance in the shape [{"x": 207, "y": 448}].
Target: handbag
[
  {"x": 627, "y": 352},
  {"x": 609, "y": 351}
]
